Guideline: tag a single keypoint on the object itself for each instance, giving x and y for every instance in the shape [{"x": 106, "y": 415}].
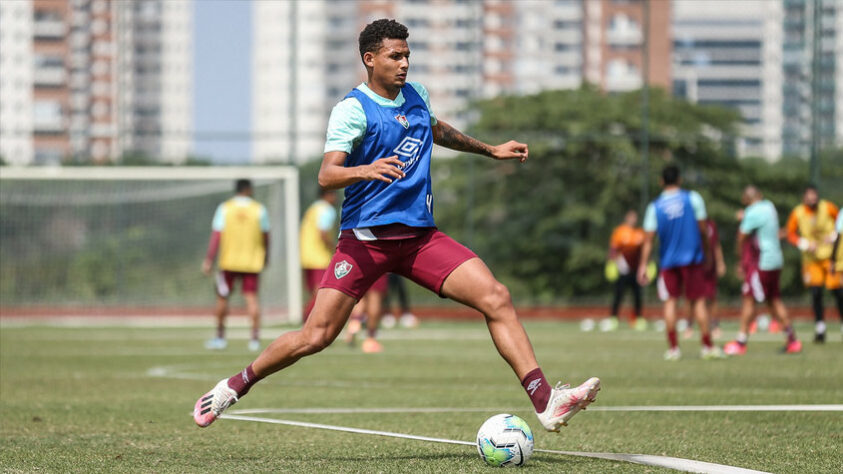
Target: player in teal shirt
[
  {"x": 761, "y": 218},
  {"x": 761, "y": 279}
]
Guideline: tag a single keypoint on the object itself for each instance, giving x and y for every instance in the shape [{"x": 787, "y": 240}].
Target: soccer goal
[{"x": 131, "y": 240}]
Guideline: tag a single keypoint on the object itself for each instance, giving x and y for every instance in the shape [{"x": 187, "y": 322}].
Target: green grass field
[{"x": 116, "y": 399}]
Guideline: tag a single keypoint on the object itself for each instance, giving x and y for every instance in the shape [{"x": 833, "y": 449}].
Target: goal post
[{"x": 134, "y": 237}]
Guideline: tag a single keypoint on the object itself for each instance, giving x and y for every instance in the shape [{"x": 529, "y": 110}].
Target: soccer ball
[{"x": 504, "y": 441}]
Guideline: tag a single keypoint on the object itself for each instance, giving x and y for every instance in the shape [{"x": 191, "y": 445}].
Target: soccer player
[
  {"x": 378, "y": 147},
  {"x": 625, "y": 251},
  {"x": 316, "y": 239},
  {"x": 810, "y": 228},
  {"x": 679, "y": 218},
  {"x": 712, "y": 273},
  {"x": 241, "y": 234},
  {"x": 761, "y": 271}
]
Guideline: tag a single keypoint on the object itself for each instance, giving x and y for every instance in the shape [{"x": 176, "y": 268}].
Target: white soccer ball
[
  {"x": 504, "y": 441},
  {"x": 587, "y": 325}
]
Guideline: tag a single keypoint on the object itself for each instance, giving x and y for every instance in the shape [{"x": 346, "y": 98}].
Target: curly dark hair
[{"x": 372, "y": 36}]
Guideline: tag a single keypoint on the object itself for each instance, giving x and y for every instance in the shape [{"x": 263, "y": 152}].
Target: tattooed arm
[{"x": 449, "y": 137}]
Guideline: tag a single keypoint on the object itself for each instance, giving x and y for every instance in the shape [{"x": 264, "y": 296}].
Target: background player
[
  {"x": 396, "y": 287},
  {"x": 761, "y": 271},
  {"x": 387, "y": 225},
  {"x": 625, "y": 251},
  {"x": 241, "y": 233},
  {"x": 810, "y": 228},
  {"x": 370, "y": 304},
  {"x": 679, "y": 218},
  {"x": 316, "y": 240},
  {"x": 714, "y": 270}
]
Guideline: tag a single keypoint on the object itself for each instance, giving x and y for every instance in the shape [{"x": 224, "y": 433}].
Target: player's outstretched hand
[
  {"x": 511, "y": 150},
  {"x": 385, "y": 169}
]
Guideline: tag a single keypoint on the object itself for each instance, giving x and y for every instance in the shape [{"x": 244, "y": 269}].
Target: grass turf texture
[{"x": 91, "y": 399}]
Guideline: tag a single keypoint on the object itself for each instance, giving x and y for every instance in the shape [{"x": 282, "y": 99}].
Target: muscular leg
[
  {"x": 701, "y": 313},
  {"x": 254, "y": 310},
  {"x": 374, "y": 309},
  {"x": 327, "y": 319},
  {"x": 670, "y": 315},
  {"x": 747, "y": 315},
  {"x": 474, "y": 285}
]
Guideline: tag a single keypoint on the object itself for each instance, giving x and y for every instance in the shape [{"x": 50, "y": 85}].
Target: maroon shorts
[
  {"x": 673, "y": 280},
  {"x": 427, "y": 260},
  {"x": 226, "y": 279},
  {"x": 312, "y": 277},
  {"x": 763, "y": 285},
  {"x": 381, "y": 284}
]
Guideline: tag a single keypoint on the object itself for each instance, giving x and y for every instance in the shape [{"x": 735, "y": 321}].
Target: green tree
[{"x": 544, "y": 226}]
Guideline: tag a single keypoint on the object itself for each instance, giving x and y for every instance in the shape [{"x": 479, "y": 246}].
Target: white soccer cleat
[
  {"x": 565, "y": 402},
  {"x": 254, "y": 345},
  {"x": 212, "y": 404},
  {"x": 673, "y": 354},
  {"x": 216, "y": 344}
]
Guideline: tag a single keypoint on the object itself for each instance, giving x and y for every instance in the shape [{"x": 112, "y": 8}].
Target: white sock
[{"x": 819, "y": 327}]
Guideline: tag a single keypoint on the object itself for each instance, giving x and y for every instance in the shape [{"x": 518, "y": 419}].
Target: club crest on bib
[
  {"x": 341, "y": 269},
  {"x": 402, "y": 119}
]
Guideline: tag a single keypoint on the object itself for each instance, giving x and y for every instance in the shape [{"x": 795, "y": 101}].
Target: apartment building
[{"x": 93, "y": 80}]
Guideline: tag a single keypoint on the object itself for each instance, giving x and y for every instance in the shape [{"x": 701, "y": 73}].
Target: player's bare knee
[
  {"x": 317, "y": 339},
  {"x": 498, "y": 300}
]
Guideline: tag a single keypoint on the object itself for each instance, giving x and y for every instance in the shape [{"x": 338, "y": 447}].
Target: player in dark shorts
[
  {"x": 379, "y": 144},
  {"x": 678, "y": 216}
]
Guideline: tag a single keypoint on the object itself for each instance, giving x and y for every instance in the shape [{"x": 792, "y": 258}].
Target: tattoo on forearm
[{"x": 449, "y": 137}]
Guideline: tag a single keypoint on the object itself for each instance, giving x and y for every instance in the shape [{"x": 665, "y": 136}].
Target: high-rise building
[
  {"x": 620, "y": 36},
  {"x": 93, "y": 80},
  {"x": 812, "y": 104},
  {"x": 306, "y": 59},
  {"x": 733, "y": 57},
  {"x": 16, "y": 111}
]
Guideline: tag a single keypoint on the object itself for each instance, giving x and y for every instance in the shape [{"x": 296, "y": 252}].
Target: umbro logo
[
  {"x": 409, "y": 148},
  {"x": 534, "y": 385}
]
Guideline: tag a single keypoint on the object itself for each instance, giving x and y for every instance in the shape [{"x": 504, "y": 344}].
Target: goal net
[{"x": 129, "y": 240}]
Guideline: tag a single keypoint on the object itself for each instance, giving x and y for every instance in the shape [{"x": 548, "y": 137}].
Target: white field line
[
  {"x": 632, "y": 408},
  {"x": 687, "y": 465}
]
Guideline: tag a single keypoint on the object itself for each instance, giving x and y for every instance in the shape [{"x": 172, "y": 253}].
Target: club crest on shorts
[
  {"x": 402, "y": 119},
  {"x": 341, "y": 269}
]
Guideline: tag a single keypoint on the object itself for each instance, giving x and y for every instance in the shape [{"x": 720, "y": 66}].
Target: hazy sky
[{"x": 222, "y": 79}]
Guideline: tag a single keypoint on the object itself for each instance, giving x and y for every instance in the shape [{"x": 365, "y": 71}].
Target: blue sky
[{"x": 222, "y": 78}]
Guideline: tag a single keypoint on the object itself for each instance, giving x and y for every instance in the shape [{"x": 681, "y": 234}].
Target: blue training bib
[
  {"x": 680, "y": 243},
  {"x": 404, "y": 131}
]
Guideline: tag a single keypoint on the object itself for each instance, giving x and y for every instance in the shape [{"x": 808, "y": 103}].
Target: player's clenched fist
[{"x": 384, "y": 169}]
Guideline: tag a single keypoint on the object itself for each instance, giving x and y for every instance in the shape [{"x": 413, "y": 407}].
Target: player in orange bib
[
  {"x": 241, "y": 234},
  {"x": 810, "y": 228},
  {"x": 625, "y": 251}
]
